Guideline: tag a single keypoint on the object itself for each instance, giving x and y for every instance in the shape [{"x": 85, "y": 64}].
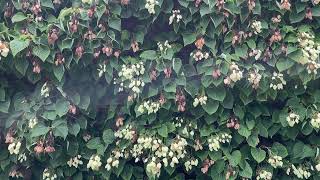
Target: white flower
[
  {"x": 315, "y": 121},
  {"x": 33, "y": 122},
  {"x": 265, "y": 175},
  {"x": 293, "y": 119},
  {"x": 277, "y": 81},
  {"x": 75, "y": 161},
  {"x": 94, "y": 163},
  {"x": 175, "y": 15},
  {"x": 256, "y": 26},
  {"x": 150, "y": 6},
  {"x": 254, "y": 78},
  {"x": 318, "y": 167},
  {"x": 47, "y": 175},
  {"x": 86, "y": 1},
  {"x": 14, "y": 147},
  {"x": 45, "y": 90},
  {"x": 275, "y": 161},
  {"x": 22, "y": 157}
]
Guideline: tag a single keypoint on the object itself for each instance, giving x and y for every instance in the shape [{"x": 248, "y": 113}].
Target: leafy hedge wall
[{"x": 181, "y": 89}]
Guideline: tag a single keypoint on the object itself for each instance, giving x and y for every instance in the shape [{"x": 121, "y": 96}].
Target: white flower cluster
[
  {"x": 4, "y": 49},
  {"x": 318, "y": 167},
  {"x": 316, "y": 1},
  {"x": 214, "y": 142},
  {"x": 311, "y": 51},
  {"x": 300, "y": 172},
  {"x": 163, "y": 47},
  {"x": 188, "y": 164},
  {"x": 33, "y": 122},
  {"x": 175, "y": 15},
  {"x": 45, "y": 90},
  {"x": 275, "y": 161},
  {"x": 149, "y": 106},
  {"x": 186, "y": 129},
  {"x": 199, "y": 55},
  {"x": 113, "y": 161},
  {"x": 102, "y": 69},
  {"x": 14, "y": 147},
  {"x": 125, "y": 133},
  {"x": 153, "y": 167},
  {"x": 22, "y": 157},
  {"x": 202, "y": 100},
  {"x": 47, "y": 175},
  {"x": 265, "y": 175},
  {"x": 75, "y": 161},
  {"x": 256, "y": 26},
  {"x": 235, "y": 74},
  {"x": 277, "y": 81},
  {"x": 256, "y": 53},
  {"x": 315, "y": 121},
  {"x": 130, "y": 77},
  {"x": 254, "y": 79},
  {"x": 94, "y": 162},
  {"x": 150, "y": 4},
  {"x": 293, "y": 119}
]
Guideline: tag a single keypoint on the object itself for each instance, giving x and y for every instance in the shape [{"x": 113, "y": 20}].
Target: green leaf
[
  {"x": 244, "y": 131},
  {"x": 284, "y": 64},
  {"x": 108, "y": 136},
  {"x": 74, "y": 128},
  {"x": 4, "y": 106},
  {"x": 115, "y": 23},
  {"x": 246, "y": 171},
  {"x": 279, "y": 149},
  {"x": 21, "y": 65},
  {"x": 211, "y": 106},
  {"x": 42, "y": 52},
  {"x": 217, "y": 93},
  {"x": 58, "y": 72},
  {"x": 235, "y": 158},
  {"x": 2, "y": 94},
  {"x": 47, "y": 3},
  {"x": 258, "y": 154},
  {"x": 18, "y": 45},
  {"x": 94, "y": 143},
  {"x": 189, "y": 38},
  {"x": 18, "y": 17},
  {"x": 39, "y": 131},
  {"x": 163, "y": 131},
  {"x": 62, "y": 107},
  {"x": 176, "y": 64},
  {"x": 127, "y": 173},
  {"x": 149, "y": 54},
  {"x": 61, "y": 130}
]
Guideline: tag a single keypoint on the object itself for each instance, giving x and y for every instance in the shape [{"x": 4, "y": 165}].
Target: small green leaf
[
  {"x": 18, "y": 45},
  {"x": 189, "y": 38},
  {"x": 58, "y": 72},
  {"x": 149, "y": 54},
  {"x": 62, "y": 107},
  {"x": 115, "y": 23},
  {"x": 163, "y": 130},
  {"x": 258, "y": 154},
  {"x": 39, "y": 131},
  {"x": 108, "y": 136},
  {"x": 94, "y": 143},
  {"x": 42, "y": 52},
  {"x": 217, "y": 93},
  {"x": 211, "y": 106},
  {"x": 18, "y": 17}
]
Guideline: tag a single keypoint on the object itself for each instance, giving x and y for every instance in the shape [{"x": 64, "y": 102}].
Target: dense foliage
[{"x": 182, "y": 89}]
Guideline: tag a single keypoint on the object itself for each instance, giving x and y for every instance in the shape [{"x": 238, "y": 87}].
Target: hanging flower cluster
[
  {"x": 256, "y": 53},
  {"x": 264, "y": 175},
  {"x": 114, "y": 160},
  {"x": 150, "y": 6},
  {"x": 311, "y": 51},
  {"x": 94, "y": 162},
  {"x": 256, "y": 26},
  {"x": 45, "y": 90},
  {"x": 315, "y": 121},
  {"x": 75, "y": 161},
  {"x": 33, "y": 122},
  {"x": 275, "y": 161},
  {"x": 48, "y": 175},
  {"x": 234, "y": 75},
  {"x": 198, "y": 55},
  {"x": 4, "y": 49},
  {"x": 186, "y": 128},
  {"x": 125, "y": 133},
  {"x": 175, "y": 15},
  {"x": 149, "y": 106},
  {"x": 163, "y": 47},
  {"x": 254, "y": 79},
  {"x": 293, "y": 119},
  {"x": 14, "y": 147},
  {"x": 130, "y": 77},
  {"x": 22, "y": 157},
  {"x": 214, "y": 142},
  {"x": 300, "y": 171},
  {"x": 277, "y": 81},
  {"x": 188, "y": 164},
  {"x": 202, "y": 100}
]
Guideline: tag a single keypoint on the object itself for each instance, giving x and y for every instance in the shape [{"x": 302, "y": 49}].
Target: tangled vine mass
[{"x": 159, "y": 89}]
